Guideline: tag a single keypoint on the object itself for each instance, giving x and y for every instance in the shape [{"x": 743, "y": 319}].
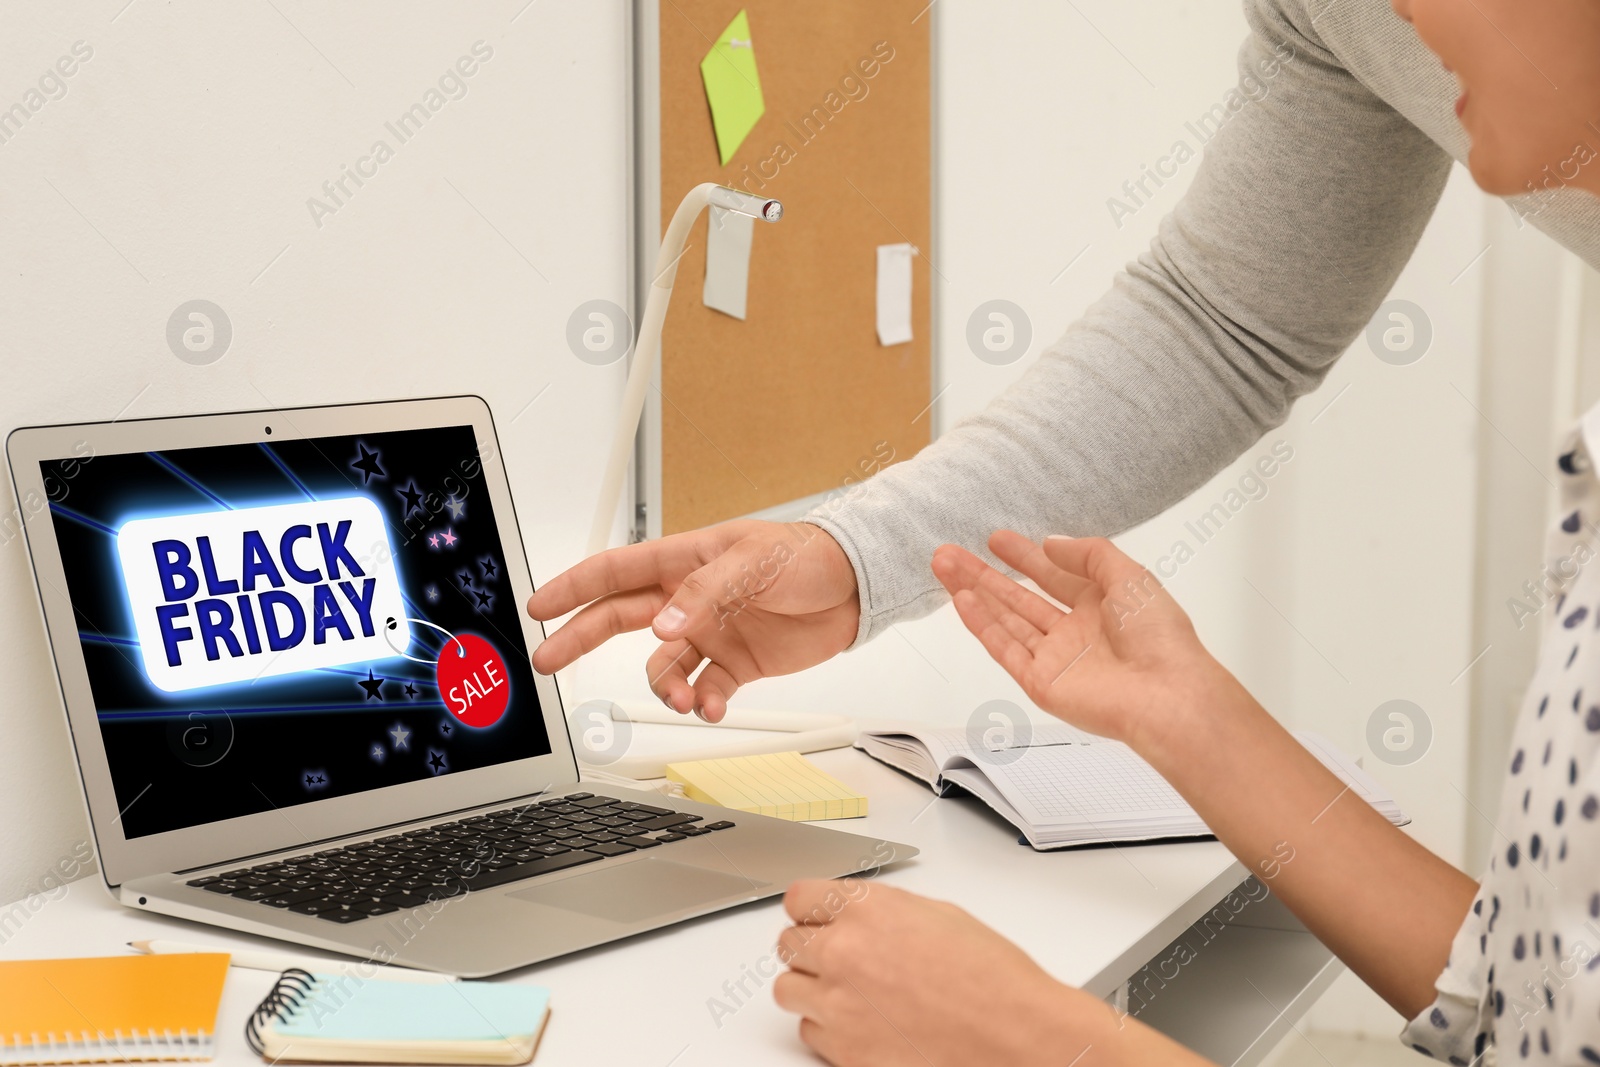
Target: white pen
[{"x": 277, "y": 962}]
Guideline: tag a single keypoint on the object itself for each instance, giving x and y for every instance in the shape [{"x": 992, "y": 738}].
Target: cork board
[{"x": 799, "y": 398}]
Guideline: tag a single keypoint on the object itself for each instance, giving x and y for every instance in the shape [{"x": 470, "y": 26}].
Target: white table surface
[{"x": 1089, "y": 916}]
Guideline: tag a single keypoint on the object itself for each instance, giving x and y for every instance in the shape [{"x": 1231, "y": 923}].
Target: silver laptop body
[{"x": 294, "y": 664}]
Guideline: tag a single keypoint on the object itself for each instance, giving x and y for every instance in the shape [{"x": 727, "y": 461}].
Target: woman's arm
[
  {"x": 1304, "y": 207},
  {"x": 1125, "y": 663},
  {"x": 1385, "y": 905}
]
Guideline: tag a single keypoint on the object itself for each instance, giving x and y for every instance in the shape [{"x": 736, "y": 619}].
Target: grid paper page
[{"x": 1102, "y": 782}]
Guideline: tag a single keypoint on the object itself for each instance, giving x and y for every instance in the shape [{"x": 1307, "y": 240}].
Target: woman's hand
[
  {"x": 883, "y": 978},
  {"x": 748, "y": 599},
  {"x": 1124, "y": 662}
]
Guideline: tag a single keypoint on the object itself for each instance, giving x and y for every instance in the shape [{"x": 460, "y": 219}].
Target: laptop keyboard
[{"x": 370, "y": 878}]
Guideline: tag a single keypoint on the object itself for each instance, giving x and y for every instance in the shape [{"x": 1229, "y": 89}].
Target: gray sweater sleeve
[{"x": 1306, "y": 205}]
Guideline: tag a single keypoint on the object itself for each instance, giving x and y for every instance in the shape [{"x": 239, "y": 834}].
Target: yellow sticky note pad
[
  {"x": 733, "y": 88},
  {"x": 784, "y": 785}
]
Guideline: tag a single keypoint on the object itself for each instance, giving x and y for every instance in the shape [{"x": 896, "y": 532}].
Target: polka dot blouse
[{"x": 1523, "y": 981}]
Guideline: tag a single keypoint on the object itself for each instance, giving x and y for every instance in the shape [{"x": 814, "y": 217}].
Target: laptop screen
[{"x": 267, "y": 625}]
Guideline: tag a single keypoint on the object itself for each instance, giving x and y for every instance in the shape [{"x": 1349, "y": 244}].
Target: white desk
[{"x": 1091, "y": 917}]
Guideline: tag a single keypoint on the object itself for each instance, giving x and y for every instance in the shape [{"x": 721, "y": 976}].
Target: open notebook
[{"x": 1067, "y": 787}]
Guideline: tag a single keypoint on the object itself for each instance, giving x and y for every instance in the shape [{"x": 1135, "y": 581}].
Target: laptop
[{"x": 295, "y": 666}]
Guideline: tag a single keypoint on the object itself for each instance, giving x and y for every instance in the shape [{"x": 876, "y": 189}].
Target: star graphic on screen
[
  {"x": 401, "y": 737},
  {"x": 486, "y": 564},
  {"x": 367, "y": 464},
  {"x": 378, "y": 753},
  {"x": 411, "y": 691},
  {"x": 449, "y": 538},
  {"x": 484, "y": 599},
  {"x": 466, "y": 579},
  {"x": 436, "y": 761},
  {"x": 457, "y": 508},
  {"x": 411, "y": 496},
  {"x": 371, "y": 685},
  {"x": 433, "y": 541},
  {"x": 311, "y": 779},
  {"x": 445, "y": 728},
  {"x": 433, "y": 592}
]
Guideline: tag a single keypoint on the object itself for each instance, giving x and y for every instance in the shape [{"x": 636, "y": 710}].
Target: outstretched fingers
[
  {"x": 612, "y": 571},
  {"x": 596, "y": 624},
  {"x": 641, "y": 566},
  {"x": 1027, "y": 557},
  {"x": 956, "y": 568},
  {"x": 981, "y": 617},
  {"x": 1019, "y": 627},
  {"x": 1102, "y": 563}
]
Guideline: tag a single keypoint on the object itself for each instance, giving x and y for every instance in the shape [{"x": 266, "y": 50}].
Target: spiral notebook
[
  {"x": 1063, "y": 788},
  {"x": 329, "y": 1018},
  {"x": 116, "y": 1009}
]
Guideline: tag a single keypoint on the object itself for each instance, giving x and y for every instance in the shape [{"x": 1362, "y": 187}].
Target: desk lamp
[
  {"x": 647, "y": 346},
  {"x": 801, "y": 731}
]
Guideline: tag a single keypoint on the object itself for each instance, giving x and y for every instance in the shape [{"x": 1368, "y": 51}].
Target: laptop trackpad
[{"x": 644, "y": 889}]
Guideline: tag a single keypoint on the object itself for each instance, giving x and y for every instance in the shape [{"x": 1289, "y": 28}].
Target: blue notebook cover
[{"x": 340, "y": 1008}]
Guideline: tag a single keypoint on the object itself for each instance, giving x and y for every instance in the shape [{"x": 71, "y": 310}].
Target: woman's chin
[{"x": 1495, "y": 177}]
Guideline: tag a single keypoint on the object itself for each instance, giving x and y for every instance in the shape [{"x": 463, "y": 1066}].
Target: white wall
[{"x": 178, "y": 165}]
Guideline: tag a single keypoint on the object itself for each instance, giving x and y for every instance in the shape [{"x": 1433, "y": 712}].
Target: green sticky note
[{"x": 733, "y": 88}]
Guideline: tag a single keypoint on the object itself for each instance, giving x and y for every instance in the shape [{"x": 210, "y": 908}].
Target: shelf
[{"x": 1232, "y": 985}]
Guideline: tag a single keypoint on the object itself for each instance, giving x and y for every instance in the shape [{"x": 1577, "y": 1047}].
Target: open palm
[{"x": 1115, "y": 662}]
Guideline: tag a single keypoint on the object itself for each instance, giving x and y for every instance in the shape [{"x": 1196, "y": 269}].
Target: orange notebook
[{"x": 116, "y": 1009}]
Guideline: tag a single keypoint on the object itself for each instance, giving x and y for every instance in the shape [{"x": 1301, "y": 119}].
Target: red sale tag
[{"x": 472, "y": 680}]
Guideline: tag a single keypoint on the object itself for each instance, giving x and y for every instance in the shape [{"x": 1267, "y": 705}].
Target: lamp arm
[{"x": 647, "y": 342}]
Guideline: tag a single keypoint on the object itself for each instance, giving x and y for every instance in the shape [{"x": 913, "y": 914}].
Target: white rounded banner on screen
[{"x": 235, "y": 595}]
